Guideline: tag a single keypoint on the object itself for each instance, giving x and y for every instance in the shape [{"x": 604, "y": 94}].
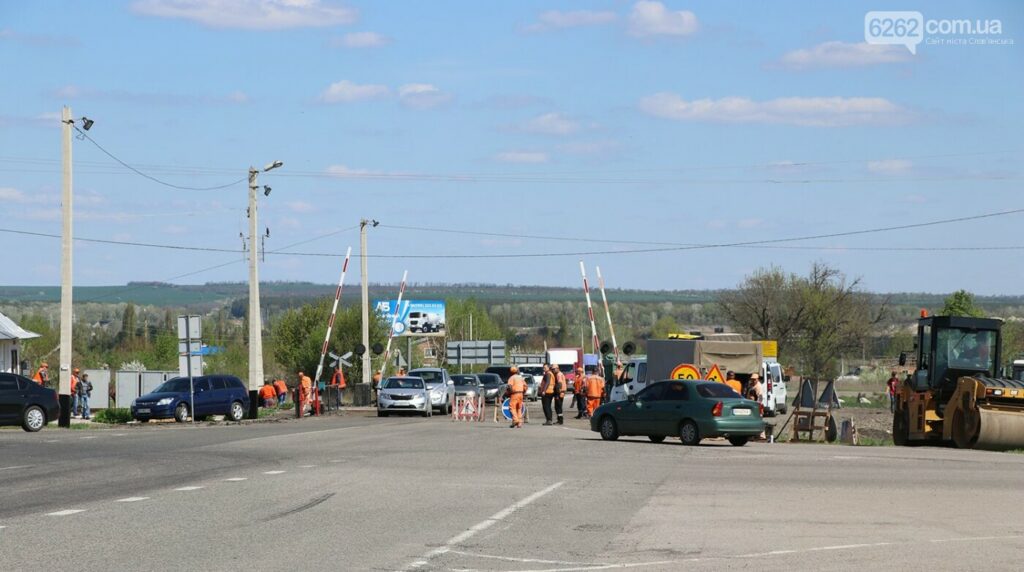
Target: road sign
[
  {"x": 770, "y": 348},
  {"x": 685, "y": 371},
  {"x": 715, "y": 374},
  {"x": 506, "y": 409},
  {"x": 340, "y": 359},
  {"x": 483, "y": 352}
]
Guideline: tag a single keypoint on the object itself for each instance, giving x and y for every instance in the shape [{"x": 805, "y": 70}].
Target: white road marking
[
  {"x": 306, "y": 466},
  {"x": 88, "y": 437},
  {"x": 132, "y": 499},
  {"x": 51, "y": 441},
  {"x": 523, "y": 560},
  {"x": 66, "y": 512},
  {"x": 272, "y": 472},
  {"x": 15, "y": 467},
  {"x": 192, "y": 488},
  {"x": 482, "y": 526},
  {"x": 236, "y": 479}
]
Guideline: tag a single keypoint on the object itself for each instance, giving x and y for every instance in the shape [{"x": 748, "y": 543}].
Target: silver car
[
  {"x": 403, "y": 395},
  {"x": 440, "y": 387},
  {"x": 467, "y": 385}
]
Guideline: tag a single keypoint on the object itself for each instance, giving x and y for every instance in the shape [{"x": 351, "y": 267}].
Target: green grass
[
  {"x": 113, "y": 415},
  {"x": 874, "y": 442}
]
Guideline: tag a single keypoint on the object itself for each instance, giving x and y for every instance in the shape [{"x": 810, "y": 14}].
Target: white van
[
  {"x": 634, "y": 378},
  {"x": 775, "y": 394}
]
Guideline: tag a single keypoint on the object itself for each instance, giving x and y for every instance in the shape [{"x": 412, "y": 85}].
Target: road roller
[{"x": 956, "y": 394}]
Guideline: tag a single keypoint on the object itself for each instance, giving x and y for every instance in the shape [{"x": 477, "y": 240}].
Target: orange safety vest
[
  {"x": 74, "y": 383},
  {"x": 577, "y": 384},
  {"x": 549, "y": 383},
  {"x": 595, "y": 387},
  {"x": 280, "y": 386},
  {"x": 735, "y": 385},
  {"x": 38, "y": 377},
  {"x": 561, "y": 382},
  {"x": 307, "y": 384},
  {"x": 338, "y": 379},
  {"x": 268, "y": 392},
  {"x": 516, "y": 385}
]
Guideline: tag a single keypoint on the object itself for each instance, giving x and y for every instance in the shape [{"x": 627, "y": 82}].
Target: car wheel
[
  {"x": 34, "y": 419},
  {"x": 689, "y": 433},
  {"x": 143, "y": 420},
  {"x": 237, "y": 412},
  {"x": 739, "y": 441},
  {"x": 656, "y": 438},
  {"x": 181, "y": 412},
  {"x": 382, "y": 414},
  {"x": 609, "y": 430},
  {"x": 783, "y": 409}
]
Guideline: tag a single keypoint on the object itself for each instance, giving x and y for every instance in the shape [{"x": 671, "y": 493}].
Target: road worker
[
  {"x": 305, "y": 391},
  {"x": 74, "y": 392},
  {"x": 338, "y": 382},
  {"x": 282, "y": 391},
  {"x": 560, "y": 386},
  {"x": 516, "y": 390},
  {"x": 731, "y": 381},
  {"x": 42, "y": 375},
  {"x": 547, "y": 391},
  {"x": 595, "y": 390},
  {"x": 579, "y": 393},
  {"x": 268, "y": 395}
]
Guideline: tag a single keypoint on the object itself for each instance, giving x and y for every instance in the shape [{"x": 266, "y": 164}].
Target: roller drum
[{"x": 999, "y": 430}]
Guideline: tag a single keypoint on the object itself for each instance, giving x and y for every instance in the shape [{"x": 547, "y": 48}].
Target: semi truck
[{"x": 565, "y": 359}]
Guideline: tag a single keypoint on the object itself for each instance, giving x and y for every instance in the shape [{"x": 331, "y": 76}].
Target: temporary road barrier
[{"x": 468, "y": 408}]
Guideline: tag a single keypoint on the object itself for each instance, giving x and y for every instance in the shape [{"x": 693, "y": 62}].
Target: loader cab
[{"x": 949, "y": 347}]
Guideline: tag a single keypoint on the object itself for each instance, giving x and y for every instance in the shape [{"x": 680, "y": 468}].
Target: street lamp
[{"x": 255, "y": 317}]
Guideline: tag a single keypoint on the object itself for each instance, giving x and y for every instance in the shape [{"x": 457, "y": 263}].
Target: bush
[{"x": 113, "y": 415}]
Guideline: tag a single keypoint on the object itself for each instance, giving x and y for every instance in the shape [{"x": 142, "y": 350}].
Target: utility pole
[
  {"x": 367, "y": 367},
  {"x": 255, "y": 315},
  {"x": 66, "y": 315}
]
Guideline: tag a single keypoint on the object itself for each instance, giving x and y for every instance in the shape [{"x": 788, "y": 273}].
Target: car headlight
[
  {"x": 438, "y": 391},
  {"x": 133, "y": 402},
  {"x": 165, "y": 401}
]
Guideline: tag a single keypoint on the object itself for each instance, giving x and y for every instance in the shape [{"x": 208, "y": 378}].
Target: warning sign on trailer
[
  {"x": 685, "y": 371},
  {"x": 715, "y": 374}
]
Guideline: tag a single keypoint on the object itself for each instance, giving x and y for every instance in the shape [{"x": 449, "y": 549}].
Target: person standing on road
[
  {"x": 74, "y": 393},
  {"x": 268, "y": 395},
  {"x": 579, "y": 397},
  {"x": 731, "y": 381},
  {"x": 282, "y": 391},
  {"x": 338, "y": 381},
  {"x": 516, "y": 390},
  {"x": 84, "y": 392},
  {"x": 595, "y": 390},
  {"x": 305, "y": 391},
  {"x": 755, "y": 391},
  {"x": 560, "y": 387},
  {"x": 42, "y": 376},
  {"x": 547, "y": 392},
  {"x": 891, "y": 387}
]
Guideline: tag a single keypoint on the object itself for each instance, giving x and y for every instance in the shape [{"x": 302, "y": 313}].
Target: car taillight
[
  {"x": 769, "y": 385},
  {"x": 760, "y": 409},
  {"x": 716, "y": 411}
]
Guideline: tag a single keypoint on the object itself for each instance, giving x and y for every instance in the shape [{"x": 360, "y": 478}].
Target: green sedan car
[{"x": 689, "y": 409}]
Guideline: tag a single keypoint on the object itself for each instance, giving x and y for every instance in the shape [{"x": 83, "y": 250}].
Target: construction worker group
[{"x": 588, "y": 390}]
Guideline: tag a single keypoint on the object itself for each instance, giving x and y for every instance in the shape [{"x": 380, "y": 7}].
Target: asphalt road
[{"x": 362, "y": 493}]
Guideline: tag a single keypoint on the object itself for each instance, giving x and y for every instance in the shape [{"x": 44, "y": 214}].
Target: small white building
[{"x": 11, "y": 335}]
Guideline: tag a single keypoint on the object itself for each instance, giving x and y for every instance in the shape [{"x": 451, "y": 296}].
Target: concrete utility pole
[
  {"x": 255, "y": 316},
  {"x": 366, "y": 299},
  {"x": 66, "y": 315}
]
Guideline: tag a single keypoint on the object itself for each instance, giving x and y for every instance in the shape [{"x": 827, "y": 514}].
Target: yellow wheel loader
[{"x": 955, "y": 394}]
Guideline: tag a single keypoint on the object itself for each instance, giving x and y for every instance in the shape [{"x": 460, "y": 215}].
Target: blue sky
[{"x": 665, "y": 122}]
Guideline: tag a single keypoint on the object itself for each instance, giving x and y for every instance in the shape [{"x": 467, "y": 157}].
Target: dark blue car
[
  {"x": 214, "y": 395},
  {"x": 26, "y": 403}
]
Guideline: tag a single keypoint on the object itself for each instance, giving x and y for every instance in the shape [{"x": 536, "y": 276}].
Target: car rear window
[
  {"x": 715, "y": 390},
  {"x": 8, "y": 383},
  {"x": 220, "y": 383},
  {"x": 427, "y": 375}
]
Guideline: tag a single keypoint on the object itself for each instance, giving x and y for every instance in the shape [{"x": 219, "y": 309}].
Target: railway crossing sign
[
  {"x": 715, "y": 374},
  {"x": 685, "y": 371},
  {"x": 343, "y": 359}
]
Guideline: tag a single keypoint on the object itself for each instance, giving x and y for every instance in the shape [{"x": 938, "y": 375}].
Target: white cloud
[
  {"x": 802, "y": 111},
  {"x": 345, "y": 91},
  {"x": 250, "y": 14},
  {"x": 422, "y": 95},
  {"x": 150, "y": 98},
  {"x": 555, "y": 19},
  {"x": 889, "y": 166},
  {"x": 654, "y": 19},
  {"x": 68, "y": 91},
  {"x": 10, "y": 195},
  {"x": 301, "y": 207},
  {"x": 844, "y": 55},
  {"x": 522, "y": 157},
  {"x": 361, "y": 40},
  {"x": 343, "y": 171},
  {"x": 551, "y": 124}
]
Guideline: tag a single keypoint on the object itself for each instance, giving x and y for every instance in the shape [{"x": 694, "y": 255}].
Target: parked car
[
  {"x": 493, "y": 387},
  {"x": 689, "y": 409},
  {"x": 403, "y": 395},
  {"x": 440, "y": 386},
  {"x": 467, "y": 385},
  {"x": 214, "y": 395},
  {"x": 26, "y": 403},
  {"x": 505, "y": 372},
  {"x": 534, "y": 374}
]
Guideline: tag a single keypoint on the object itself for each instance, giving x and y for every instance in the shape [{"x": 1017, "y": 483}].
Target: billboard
[{"x": 415, "y": 317}]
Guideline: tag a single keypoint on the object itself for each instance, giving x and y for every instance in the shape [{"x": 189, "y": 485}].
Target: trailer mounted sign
[{"x": 685, "y": 371}]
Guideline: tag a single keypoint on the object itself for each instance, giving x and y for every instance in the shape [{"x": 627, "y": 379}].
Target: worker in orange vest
[
  {"x": 595, "y": 390},
  {"x": 516, "y": 390},
  {"x": 579, "y": 393},
  {"x": 74, "y": 392},
  {"x": 338, "y": 381},
  {"x": 560, "y": 387},
  {"x": 731, "y": 381},
  {"x": 42, "y": 374},
  {"x": 547, "y": 391},
  {"x": 268, "y": 395},
  {"x": 282, "y": 391},
  {"x": 305, "y": 391}
]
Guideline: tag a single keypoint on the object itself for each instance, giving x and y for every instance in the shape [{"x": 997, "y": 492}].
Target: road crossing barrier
[{"x": 468, "y": 408}]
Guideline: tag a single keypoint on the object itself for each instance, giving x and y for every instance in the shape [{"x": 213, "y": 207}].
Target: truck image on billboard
[{"x": 415, "y": 317}]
